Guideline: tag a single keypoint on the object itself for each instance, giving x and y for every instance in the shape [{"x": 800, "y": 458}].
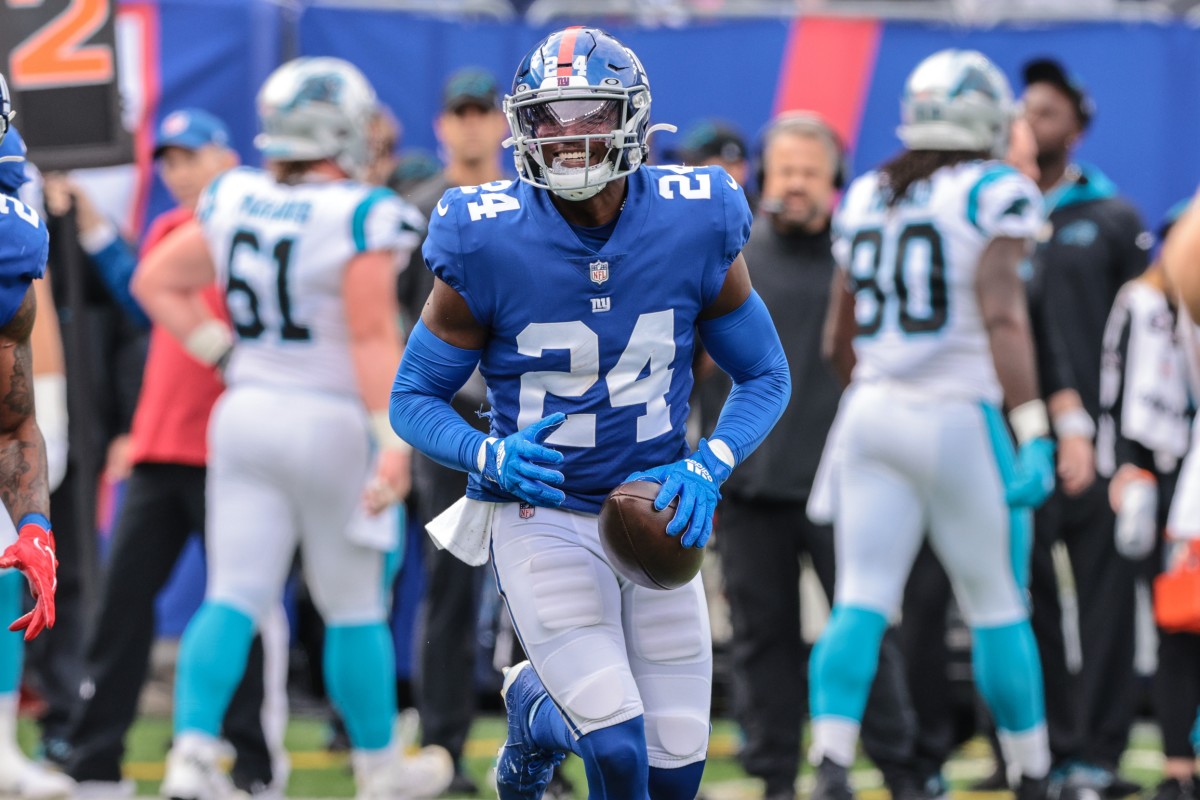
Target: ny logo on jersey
[
  {"x": 601, "y": 304},
  {"x": 599, "y": 272}
]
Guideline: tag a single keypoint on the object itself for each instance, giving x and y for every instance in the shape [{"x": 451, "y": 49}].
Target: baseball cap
[
  {"x": 709, "y": 139},
  {"x": 470, "y": 87},
  {"x": 1047, "y": 70},
  {"x": 190, "y": 129}
]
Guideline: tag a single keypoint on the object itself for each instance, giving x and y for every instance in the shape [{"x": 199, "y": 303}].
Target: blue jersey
[
  {"x": 24, "y": 246},
  {"x": 604, "y": 336}
]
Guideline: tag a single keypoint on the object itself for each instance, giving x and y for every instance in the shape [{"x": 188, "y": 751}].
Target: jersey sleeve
[
  {"x": 443, "y": 251},
  {"x": 24, "y": 242},
  {"x": 382, "y": 221},
  {"x": 1003, "y": 202},
  {"x": 737, "y": 219},
  {"x": 24, "y": 247}
]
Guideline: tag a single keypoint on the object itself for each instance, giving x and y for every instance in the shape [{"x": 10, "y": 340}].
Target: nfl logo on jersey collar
[{"x": 599, "y": 272}]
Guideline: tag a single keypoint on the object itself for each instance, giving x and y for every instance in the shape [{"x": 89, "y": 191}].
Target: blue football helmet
[
  {"x": 6, "y": 109},
  {"x": 956, "y": 100},
  {"x": 579, "y": 113}
]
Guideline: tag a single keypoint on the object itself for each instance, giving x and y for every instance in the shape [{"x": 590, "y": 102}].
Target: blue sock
[
  {"x": 212, "y": 660},
  {"x": 616, "y": 763},
  {"x": 843, "y": 662},
  {"x": 550, "y": 730},
  {"x": 676, "y": 784},
  {"x": 360, "y": 675},
  {"x": 1008, "y": 673},
  {"x": 12, "y": 643}
]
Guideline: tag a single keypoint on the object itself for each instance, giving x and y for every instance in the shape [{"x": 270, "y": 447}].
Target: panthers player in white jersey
[
  {"x": 929, "y": 299},
  {"x": 307, "y": 256}
]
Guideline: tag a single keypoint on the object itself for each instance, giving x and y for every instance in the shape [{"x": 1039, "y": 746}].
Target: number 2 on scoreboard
[{"x": 56, "y": 54}]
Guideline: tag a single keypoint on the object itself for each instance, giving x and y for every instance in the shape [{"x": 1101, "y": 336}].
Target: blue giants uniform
[
  {"x": 24, "y": 247},
  {"x": 604, "y": 336}
]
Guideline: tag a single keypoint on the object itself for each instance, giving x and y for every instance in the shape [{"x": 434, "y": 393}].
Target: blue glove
[
  {"x": 512, "y": 463},
  {"x": 697, "y": 482},
  {"x": 1033, "y": 476}
]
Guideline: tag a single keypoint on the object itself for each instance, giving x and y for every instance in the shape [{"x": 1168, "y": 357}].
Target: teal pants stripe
[{"x": 1020, "y": 529}]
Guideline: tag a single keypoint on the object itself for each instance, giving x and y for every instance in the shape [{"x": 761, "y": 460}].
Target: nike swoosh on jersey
[
  {"x": 441, "y": 209},
  {"x": 732, "y": 183}
]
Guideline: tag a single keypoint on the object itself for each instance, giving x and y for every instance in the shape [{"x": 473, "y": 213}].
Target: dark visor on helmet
[{"x": 576, "y": 117}]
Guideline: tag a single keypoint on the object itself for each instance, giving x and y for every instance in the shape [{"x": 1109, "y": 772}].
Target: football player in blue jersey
[
  {"x": 24, "y": 488},
  {"x": 19, "y": 776},
  {"x": 578, "y": 291}
]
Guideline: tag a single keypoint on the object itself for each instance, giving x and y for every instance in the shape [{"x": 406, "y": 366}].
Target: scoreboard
[{"x": 59, "y": 57}]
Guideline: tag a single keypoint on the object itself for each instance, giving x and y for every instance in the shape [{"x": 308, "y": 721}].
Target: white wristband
[
  {"x": 481, "y": 456},
  {"x": 1075, "y": 422},
  {"x": 386, "y": 436},
  {"x": 209, "y": 341},
  {"x": 722, "y": 451},
  {"x": 1029, "y": 421}
]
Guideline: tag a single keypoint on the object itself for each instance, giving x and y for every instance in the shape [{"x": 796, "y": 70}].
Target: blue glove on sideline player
[
  {"x": 1032, "y": 480},
  {"x": 697, "y": 482},
  {"x": 512, "y": 463}
]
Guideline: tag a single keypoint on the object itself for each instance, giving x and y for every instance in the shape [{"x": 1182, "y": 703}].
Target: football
[{"x": 635, "y": 539}]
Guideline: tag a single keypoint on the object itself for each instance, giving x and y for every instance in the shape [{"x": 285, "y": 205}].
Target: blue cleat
[{"x": 523, "y": 769}]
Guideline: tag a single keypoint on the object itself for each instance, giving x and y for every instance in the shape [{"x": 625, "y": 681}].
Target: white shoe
[
  {"x": 423, "y": 774},
  {"x": 20, "y": 777},
  {"x": 194, "y": 771},
  {"x": 105, "y": 790}
]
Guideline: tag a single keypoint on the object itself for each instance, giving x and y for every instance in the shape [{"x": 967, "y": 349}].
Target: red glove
[{"x": 33, "y": 554}]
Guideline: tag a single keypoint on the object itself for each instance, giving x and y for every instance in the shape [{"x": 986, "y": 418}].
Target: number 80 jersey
[
  {"x": 604, "y": 336},
  {"x": 281, "y": 251},
  {"x": 912, "y": 270}
]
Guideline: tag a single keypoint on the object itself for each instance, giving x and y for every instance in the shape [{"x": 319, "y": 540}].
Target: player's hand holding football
[
  {"x": 696, "y": 481},
  {"x": 515, "y": 462},
  {"x": 33, "y": 554}
]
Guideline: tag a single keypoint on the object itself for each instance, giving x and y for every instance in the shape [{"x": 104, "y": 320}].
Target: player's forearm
[
  {"x": 180, "y": 312},
  {"x": 746, "y": 345},
  {"x": 23, "y": 483},
  {"x": 430, "y": 373},
  {"x": 837, "y": 338},
  {"x": 1012, "y": 355},
  {"x": 375, "y": 360}
]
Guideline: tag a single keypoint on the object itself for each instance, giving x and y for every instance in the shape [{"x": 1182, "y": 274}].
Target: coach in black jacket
[
  {"x": 1093, "y": 242},
  {"x": 763, "y": 530}
]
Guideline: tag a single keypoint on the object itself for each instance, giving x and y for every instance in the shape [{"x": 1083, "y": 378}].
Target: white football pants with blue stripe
[
  {"x": 288, "y": 470},
  {"x": 907, "y": 464}
]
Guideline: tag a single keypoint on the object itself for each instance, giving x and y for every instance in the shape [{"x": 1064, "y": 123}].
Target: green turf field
[{"x": 319, "y": 774}]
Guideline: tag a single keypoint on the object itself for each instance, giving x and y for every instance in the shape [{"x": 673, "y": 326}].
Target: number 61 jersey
[
  {"x": 605, "y": 336},
  {"x": 281, "y": 252},
  {"x": 912, "y": 270}
]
